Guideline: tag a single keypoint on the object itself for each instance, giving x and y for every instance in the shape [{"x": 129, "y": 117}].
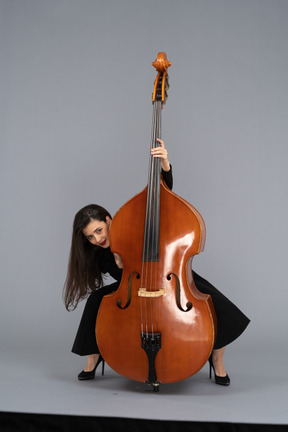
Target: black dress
[{"x": 231, "y": 322}]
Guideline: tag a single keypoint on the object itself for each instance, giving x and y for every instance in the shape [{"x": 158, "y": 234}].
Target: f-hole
[
  {"x": 129, "y": 292},
  {"x": 178, "y": 292}
]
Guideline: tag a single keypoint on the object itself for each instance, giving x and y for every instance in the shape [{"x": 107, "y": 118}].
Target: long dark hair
[{"x": 83, "y": 274}]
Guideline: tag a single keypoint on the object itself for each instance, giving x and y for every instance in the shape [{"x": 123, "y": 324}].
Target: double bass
[{"x": 157, "y": 327}]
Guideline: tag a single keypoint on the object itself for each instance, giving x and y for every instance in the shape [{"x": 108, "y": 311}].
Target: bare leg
[
  {"x": 91, "y": 362},
  {"x": 217, "y": 359}
]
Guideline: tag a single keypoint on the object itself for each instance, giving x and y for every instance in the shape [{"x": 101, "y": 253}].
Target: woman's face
[{"x": 97, "y": 232}]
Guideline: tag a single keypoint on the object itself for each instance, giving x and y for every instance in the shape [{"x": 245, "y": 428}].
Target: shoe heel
[
  {"x": 100, "y": 360},
  {"x": 210, "y": 367}
]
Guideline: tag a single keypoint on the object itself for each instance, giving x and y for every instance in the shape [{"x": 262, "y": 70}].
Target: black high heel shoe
[
  {"x": 91, "y": 374},
  {"x": 225, "y": 381}
]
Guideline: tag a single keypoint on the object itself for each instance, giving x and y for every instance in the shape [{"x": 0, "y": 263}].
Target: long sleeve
[
  {"x": 107, "y": 264},
  {"x": 168, "y": 177}
]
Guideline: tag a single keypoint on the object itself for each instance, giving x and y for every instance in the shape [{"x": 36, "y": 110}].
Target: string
[{"x": 150, "y": 257}]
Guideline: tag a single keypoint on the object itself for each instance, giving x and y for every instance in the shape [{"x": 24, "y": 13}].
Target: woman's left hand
[
  {"x": 118, "y": 261},
  {"x": 162, "y": 153}
]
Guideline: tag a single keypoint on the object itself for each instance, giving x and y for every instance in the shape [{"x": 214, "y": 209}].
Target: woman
[{"x": 91, "y": 257}]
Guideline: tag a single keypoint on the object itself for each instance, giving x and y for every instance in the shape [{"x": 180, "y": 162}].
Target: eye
[{"x": 99, "y": 230}]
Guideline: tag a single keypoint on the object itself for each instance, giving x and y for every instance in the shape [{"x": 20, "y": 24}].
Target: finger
[
  {"x": 159, "y": 150},
  {"x": 160, "y": 154},
  {"x": 161, "y": 142}
]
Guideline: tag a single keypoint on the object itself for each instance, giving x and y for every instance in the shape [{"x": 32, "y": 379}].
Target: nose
[{"x": 97, "y": 238}]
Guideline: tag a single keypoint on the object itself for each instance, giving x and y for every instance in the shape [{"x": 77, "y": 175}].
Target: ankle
[
  {"x": 91, "y": 362},
  {"x": 218, "y": 364}
]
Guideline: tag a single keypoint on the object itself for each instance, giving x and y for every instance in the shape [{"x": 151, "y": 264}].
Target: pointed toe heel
[
  {"x": 224, "y": 381},
  {"x": 91, "y": 374}
]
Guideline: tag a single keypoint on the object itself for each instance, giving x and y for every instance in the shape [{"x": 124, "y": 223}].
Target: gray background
[{"x": 76, "y": 85}]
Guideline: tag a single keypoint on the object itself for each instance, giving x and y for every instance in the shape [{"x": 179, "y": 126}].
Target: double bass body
[
  {"x": 187, "y": 333},
  {"x": 157, "y": 327}
]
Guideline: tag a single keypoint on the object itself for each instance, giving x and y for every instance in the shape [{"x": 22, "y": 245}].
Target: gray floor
[{"x": 36, "y": 381}]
